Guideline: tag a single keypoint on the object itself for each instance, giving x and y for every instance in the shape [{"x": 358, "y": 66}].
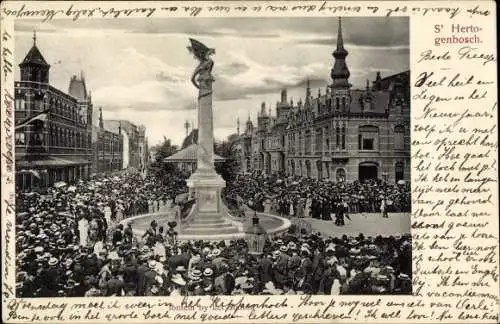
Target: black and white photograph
[{"x": 213, "y": 156}]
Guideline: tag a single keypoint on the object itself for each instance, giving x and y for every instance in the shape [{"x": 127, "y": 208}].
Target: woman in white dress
[
  {"x": 307, "y": 209},
  {"x": 83, "y": 228},
  {"x": 107, "y": 215},
  {"x": 335, "y": 287}
]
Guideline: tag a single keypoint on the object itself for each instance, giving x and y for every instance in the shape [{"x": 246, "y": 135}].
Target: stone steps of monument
[
  {"x": 209, "y": 231},
  {"x": 209, "y": 220},
  {"x": 205, "y": 225}
]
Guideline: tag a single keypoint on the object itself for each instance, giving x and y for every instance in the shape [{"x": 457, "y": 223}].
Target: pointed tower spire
[
  {"x": 238, "y": 126},
  {"x": 34, "y": 37},
  {"x": 340, "y": 73},
  {"x": 101, "y": 123},
  {"x": 120, "y": 127},
  {"x": 367, "y": 85},
  {"x": 340, "y": 39}
]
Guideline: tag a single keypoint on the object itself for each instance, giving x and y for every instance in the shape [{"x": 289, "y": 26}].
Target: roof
[
  {"x": 34, "y": 56},
  {"x": 77, "y": 88},
  {"x": 189, "y": 154},
  {"x": 51, "y": 161}
]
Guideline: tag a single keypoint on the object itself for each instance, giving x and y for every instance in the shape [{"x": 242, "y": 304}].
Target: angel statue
[{"x": 202, "y": 75}]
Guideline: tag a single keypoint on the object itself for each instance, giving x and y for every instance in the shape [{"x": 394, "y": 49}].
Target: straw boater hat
[
  {"x": 180, "y": 269},
  {"x": 195, "y": 274},
  {"x": 215, "y": 252},
  {"x": 53, "y": 261},
  {"x": 270, "y": 289},
  {"x": 208, "y": 272},
  {"x": 178, "y": 280},
  {"x": 283, "y": 248}
]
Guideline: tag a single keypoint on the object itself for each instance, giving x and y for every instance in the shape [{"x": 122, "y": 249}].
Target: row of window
[
  {"x": 56, "y": 137},
  {"x": 58, "y": 107}
]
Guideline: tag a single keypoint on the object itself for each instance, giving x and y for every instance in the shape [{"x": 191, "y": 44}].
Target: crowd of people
[
  {"x": 71, "y": 242},
  {"x": 306, "y": 197},
  {"x": 157, "y": 265}
]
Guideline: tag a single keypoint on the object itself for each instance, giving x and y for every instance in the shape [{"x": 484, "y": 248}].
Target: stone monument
[{"x": 209, "y": 216}]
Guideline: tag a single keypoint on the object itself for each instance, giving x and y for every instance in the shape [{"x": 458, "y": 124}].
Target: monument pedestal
[
  {"x": 208, "y": 219},
  {"x": 207, "y": 187}
]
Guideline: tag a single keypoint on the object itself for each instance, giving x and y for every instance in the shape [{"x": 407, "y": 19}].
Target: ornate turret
[
  {"x": 340, "y": 73},
  {"x": 249, "y": 126},
  {"x": 34, "y": 67},
  {"x": 283, "y": 96},
  {"x": 78, "y": 89},
  {"x": 263, "y": 109}
]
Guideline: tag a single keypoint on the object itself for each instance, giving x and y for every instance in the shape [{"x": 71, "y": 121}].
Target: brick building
[
  {"x": 135, "y": 146},
  {"x": 53, "y": 129},
  {"x": 107, "y": 148},
  {"x": 342, "y": 134}
]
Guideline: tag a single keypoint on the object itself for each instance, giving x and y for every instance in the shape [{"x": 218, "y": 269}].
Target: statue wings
[{"x": 199, "y": 49}]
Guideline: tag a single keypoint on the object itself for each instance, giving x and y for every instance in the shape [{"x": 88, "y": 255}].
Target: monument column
[
  {"x": 205, "y": 153},
  {"x": 205, "y": 182}
]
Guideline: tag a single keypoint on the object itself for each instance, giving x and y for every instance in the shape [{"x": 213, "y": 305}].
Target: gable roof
[
  {"x": 189, "y": 154},
  {"x": 34, "y": 56}
]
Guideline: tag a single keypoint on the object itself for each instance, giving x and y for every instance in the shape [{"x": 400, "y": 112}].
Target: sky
[{"x": 140, "y": 70}]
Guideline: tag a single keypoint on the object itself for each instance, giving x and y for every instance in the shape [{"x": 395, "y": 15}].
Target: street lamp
[{"x": 256, "y": 236}]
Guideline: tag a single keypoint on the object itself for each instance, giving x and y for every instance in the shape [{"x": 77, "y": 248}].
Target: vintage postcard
[{"x": 260, "y": 161}]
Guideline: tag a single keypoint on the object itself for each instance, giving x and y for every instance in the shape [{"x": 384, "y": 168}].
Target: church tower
[
  {"x": 340, "y": 75},
  {"x": 34, "y": 68}
]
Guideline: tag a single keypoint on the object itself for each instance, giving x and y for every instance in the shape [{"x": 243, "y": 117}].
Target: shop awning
[{"x": 51, "y": 162}]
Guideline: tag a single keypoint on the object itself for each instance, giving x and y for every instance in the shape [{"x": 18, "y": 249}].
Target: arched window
[
  {"x": 399, "y": 168},
  {"x": 343, "y": 103},
  {"x": 368, "y": 138},
  {"x": 343, "y": 136},
  {"x": 399, "y": 134},
  {"x": 337, "y": 135},
  {"x": 337, "y": 103},
  {"x": 340, "y": 175}
]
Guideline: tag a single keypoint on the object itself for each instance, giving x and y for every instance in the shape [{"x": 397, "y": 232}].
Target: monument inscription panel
[{"x": 208, "y": 200}]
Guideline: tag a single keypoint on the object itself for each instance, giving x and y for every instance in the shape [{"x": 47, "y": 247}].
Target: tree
[
  {"x": 228, "y": 150},
  {"x": 163, "y": 150}
]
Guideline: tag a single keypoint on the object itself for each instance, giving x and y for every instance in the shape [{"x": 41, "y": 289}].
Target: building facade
[
  {"x": 342, "y": 134},
  {"x": 53, "y": 129},
  {"x": 107, "y": 148},
  {"x": 135, "y": 147}
]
